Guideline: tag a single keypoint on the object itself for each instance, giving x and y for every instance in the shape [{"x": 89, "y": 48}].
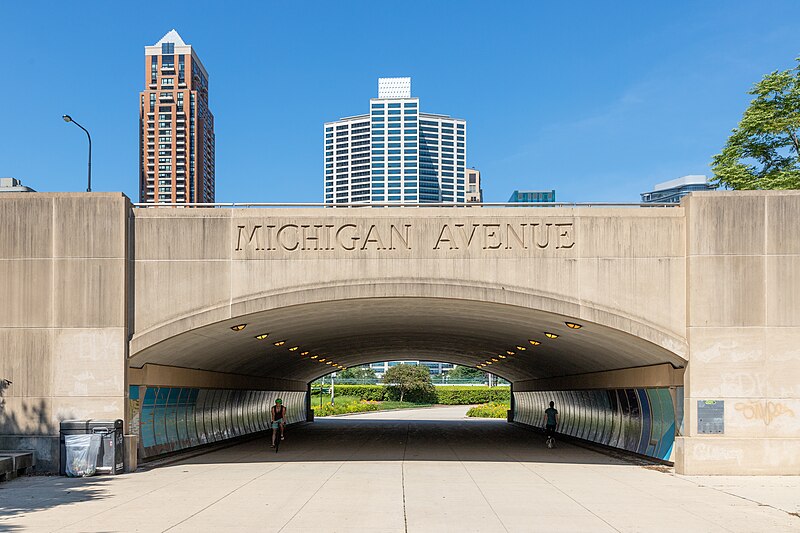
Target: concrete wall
[
  {"x": 195, "y": 267},
  {"x": 743, "y": 326},
  {"x": 63, "y": 324}
]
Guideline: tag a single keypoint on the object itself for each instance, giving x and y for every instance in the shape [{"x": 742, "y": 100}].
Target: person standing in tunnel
[
  {"x": 277, "y": 414},
  {"x": 550, "y": 424}
]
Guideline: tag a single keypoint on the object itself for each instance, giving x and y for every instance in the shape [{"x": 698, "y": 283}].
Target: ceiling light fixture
[
  {"x": 238, "y": 327},
  {"x": 294, "y": 348},
  {"x": 314, "y": 356},
  {"x": 303, "y": 353},
  {"x": 521, "y": 348},
  {"x": 573, "y": 325},
  {"x": 509, "y": 352},
  {"x": 322, "y": 360},
  {"x": 501, "y": 356},
  {"x": 495, "y": 360},
  {"x": 279, "y": 343},
  {"x": 550, "y": 335},
  {"x": 534, "y": 343},
  {"x": 262, "y": 336}
]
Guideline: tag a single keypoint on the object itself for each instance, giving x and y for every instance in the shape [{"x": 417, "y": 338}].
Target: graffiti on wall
[{"x": 765, "y": 411}]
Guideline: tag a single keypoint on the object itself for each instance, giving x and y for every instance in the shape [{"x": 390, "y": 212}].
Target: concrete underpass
[
  {"x": 544, "y": 355},
  {"x": 402, "y": 471},
  {"x": 188, "y": 323}
]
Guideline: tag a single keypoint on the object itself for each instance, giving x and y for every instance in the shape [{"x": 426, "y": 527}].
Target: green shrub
[
  {"x": 360, "y": 407},
  {"x": 489, "y": 410},
  {"x": 374, "y": 393},
  {"x": 447, "y": 395},
  {"x": 469, "y": 395}
]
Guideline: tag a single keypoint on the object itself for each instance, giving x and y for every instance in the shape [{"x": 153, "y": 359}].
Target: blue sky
[{"x": 597, "y": 102}]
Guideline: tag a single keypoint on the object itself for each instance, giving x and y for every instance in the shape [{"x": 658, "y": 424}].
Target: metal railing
[{"x": 394, "y": 204}]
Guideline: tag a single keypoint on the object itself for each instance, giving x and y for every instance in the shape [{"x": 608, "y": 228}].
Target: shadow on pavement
[
  {"x": 343, "y": 439},
  {"x": 25, "y": 495}
]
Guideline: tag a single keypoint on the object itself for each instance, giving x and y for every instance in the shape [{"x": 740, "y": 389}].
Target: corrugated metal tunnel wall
[
  {"x": 170, "y": 419},
  {"x": 637, "y": 420}
]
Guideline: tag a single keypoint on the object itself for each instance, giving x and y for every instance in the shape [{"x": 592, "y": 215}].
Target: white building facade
[
  {"x": 395, "y": 154},
  {"x": 435, "y": 368}
]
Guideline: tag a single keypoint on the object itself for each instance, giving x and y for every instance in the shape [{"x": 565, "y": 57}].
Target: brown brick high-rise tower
[{"x": 176, "y": 127}]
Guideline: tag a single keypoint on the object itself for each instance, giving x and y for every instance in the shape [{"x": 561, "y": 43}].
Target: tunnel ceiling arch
[{"x": 358, "y": 331}]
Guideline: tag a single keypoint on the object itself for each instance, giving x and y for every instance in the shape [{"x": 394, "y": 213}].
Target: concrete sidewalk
[{"x": 417, "y": 471}]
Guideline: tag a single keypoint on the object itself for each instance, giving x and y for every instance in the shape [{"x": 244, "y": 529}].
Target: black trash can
[{"x": 110, "y": 456}]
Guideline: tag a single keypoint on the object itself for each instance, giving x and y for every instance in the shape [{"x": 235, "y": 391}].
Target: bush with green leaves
[
  {"x": 375, "y": 393},
  {"x": 468, "y": 395},
  {"x": 489, "y": 410}
]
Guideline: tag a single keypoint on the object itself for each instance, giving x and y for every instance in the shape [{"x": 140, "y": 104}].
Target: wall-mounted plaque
[{"x": 710, "y": 416}]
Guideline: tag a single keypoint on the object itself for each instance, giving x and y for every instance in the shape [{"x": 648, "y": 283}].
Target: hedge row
[
  {"x": 468, "y": 395},
  {"x": 457, "y": 395}
]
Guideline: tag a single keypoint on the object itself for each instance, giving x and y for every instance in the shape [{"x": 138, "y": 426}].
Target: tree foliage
[
  {"x": 466, "y": 372},
  {"x": 357, "y": 372},
  {"x": 411, "y": 380},
  {"x": 763, "y": 152}
]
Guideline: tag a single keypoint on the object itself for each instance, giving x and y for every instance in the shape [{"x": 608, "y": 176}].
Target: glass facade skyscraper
[{"x": 396, "y": 153}]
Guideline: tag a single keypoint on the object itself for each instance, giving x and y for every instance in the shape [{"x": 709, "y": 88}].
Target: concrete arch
[{"x": 358, "y": 323}]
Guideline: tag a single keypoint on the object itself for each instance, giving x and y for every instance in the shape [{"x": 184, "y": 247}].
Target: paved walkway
[{"x": 416, "y": 470}]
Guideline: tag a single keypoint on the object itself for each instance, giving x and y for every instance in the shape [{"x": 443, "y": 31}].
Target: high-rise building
[
  {"x": 396, "y": 153},
  {"x": 474, "y": 191},
  {"x": 671, "y": 192},
  {"x": 176, "y": 127},
  {"x": 533, "y": 196}
]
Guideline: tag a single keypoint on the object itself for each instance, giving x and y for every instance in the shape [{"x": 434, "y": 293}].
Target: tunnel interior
[{"x": 297, "y": 344}]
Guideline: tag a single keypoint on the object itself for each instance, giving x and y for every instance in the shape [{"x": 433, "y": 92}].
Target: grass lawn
[{"x": 353, "y": 404}]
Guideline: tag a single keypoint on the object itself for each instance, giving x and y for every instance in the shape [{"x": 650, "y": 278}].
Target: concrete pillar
[
  {"x": 63, "y": 326},
  {"x": 743, "y": 328}
]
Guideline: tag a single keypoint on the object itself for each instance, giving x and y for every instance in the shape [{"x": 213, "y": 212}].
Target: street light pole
[{"x": 68, "y": 118}]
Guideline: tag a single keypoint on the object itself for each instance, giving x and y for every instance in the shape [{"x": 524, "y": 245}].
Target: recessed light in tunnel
[
  {"x": 303, "y": 353},
  {"x": 294, "y": 348},
  {"x": 521, "y": 348},
  {"x": 238, "y": 327},
  {"x": 573, "y": 325},
  {"x": 501, "y": 356},
  {"x": 314, "y": 356},
  {"x": 550, "y": 335},
  {"x": 279, "y": 343},
  {"x": 494, "y": 360},
  {"x": 262, "y": 336},
  {"x": 365, "y": 330},
  {"x": 509, "y": 352}
]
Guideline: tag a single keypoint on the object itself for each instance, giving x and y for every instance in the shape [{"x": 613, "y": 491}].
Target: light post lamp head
[{"x": 67, "y": 118}]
